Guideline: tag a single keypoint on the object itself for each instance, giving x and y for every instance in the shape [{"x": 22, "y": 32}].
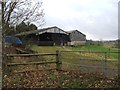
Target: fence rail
[
  {"x": 99, "y": 60},
  {"x": 29, "y": 55},
  {"x": 104, "y": 59},
  {"x": 88, "y": 51},
  {"x": 30, "y": 63},
  {"x": 57, "y": 61}
]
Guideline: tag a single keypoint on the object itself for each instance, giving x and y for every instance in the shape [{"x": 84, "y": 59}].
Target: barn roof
[
  {"x": 40, "y": 31},
  {"x": 48, "y": 30},
  {"x": 77, "y": 31}
]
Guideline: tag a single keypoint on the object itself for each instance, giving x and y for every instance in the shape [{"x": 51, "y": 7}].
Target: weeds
[{"x": 63, "y": 79}]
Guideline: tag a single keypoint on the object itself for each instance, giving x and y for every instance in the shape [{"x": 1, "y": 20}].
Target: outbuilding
[{"x": 77, "y": 38}]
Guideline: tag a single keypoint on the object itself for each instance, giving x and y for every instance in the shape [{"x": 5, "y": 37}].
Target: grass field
[{"x": 52, "y": 49}]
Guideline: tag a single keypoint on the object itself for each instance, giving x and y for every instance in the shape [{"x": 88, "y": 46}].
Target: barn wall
[
  {"x": 75, "y": 43},
  {"x": 51, "y": 43},
  {"x": 77, "y": 36}
]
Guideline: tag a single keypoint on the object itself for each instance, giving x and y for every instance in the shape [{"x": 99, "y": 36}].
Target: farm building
[
  {"x": 77, "y": 38},
  {"x": 52, "y": 36},
  {"x": 46, "y": 36}
]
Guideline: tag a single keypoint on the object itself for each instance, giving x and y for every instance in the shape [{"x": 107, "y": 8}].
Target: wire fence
[{"x": 91, "y": 61}]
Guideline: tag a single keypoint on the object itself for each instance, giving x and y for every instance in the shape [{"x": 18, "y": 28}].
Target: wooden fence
[
  {"x": 104, "y": 60},
  {"x": 59, "y": 61},
  {"x": 11, "y": 56}
]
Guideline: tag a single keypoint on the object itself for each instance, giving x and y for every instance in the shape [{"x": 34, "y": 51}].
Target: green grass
[
  {"x": 100, "y": 48},
  {"x": 48, "y": 49},
  {"x": 52, "y": 49},
  {"x": 95, "y": 47}
]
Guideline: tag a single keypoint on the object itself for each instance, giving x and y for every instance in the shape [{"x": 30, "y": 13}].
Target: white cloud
[{"x": 96, "y": 18}]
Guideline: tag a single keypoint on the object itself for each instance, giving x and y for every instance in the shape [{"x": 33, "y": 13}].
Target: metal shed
[{"x": 77, "y": 38}]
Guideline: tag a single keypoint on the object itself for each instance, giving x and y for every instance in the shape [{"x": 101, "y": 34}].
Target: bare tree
[{"x": 17, "y": 11}]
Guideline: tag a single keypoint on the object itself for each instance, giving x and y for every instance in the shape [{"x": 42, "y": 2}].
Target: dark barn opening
[{"x": 50, "y": 39}]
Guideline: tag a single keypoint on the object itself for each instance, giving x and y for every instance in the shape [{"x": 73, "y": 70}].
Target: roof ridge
[{"x": 75, "y": 30}]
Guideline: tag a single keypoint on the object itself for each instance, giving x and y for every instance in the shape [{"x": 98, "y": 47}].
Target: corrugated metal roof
[{"x": 77, "y": 31}]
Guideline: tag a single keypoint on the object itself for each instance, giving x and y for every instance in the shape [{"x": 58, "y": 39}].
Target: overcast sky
[{"x": 97, "y": 19}]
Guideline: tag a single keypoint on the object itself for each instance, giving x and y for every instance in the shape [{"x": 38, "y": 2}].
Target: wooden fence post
[
  {"x": 9, "y": 69},
  {"x": 58, "y": 62},
  {"x": 105, "y": 65}
]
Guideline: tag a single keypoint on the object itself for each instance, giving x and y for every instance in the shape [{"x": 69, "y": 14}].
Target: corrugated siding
[
  {"x": 76, "y": 36},
  {"x": 53, "y": 30}
]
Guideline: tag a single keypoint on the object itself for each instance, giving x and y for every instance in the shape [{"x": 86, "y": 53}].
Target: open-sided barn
[
  {"x": 53, "y": 36},
  {"x": 46, "y": 36}
]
